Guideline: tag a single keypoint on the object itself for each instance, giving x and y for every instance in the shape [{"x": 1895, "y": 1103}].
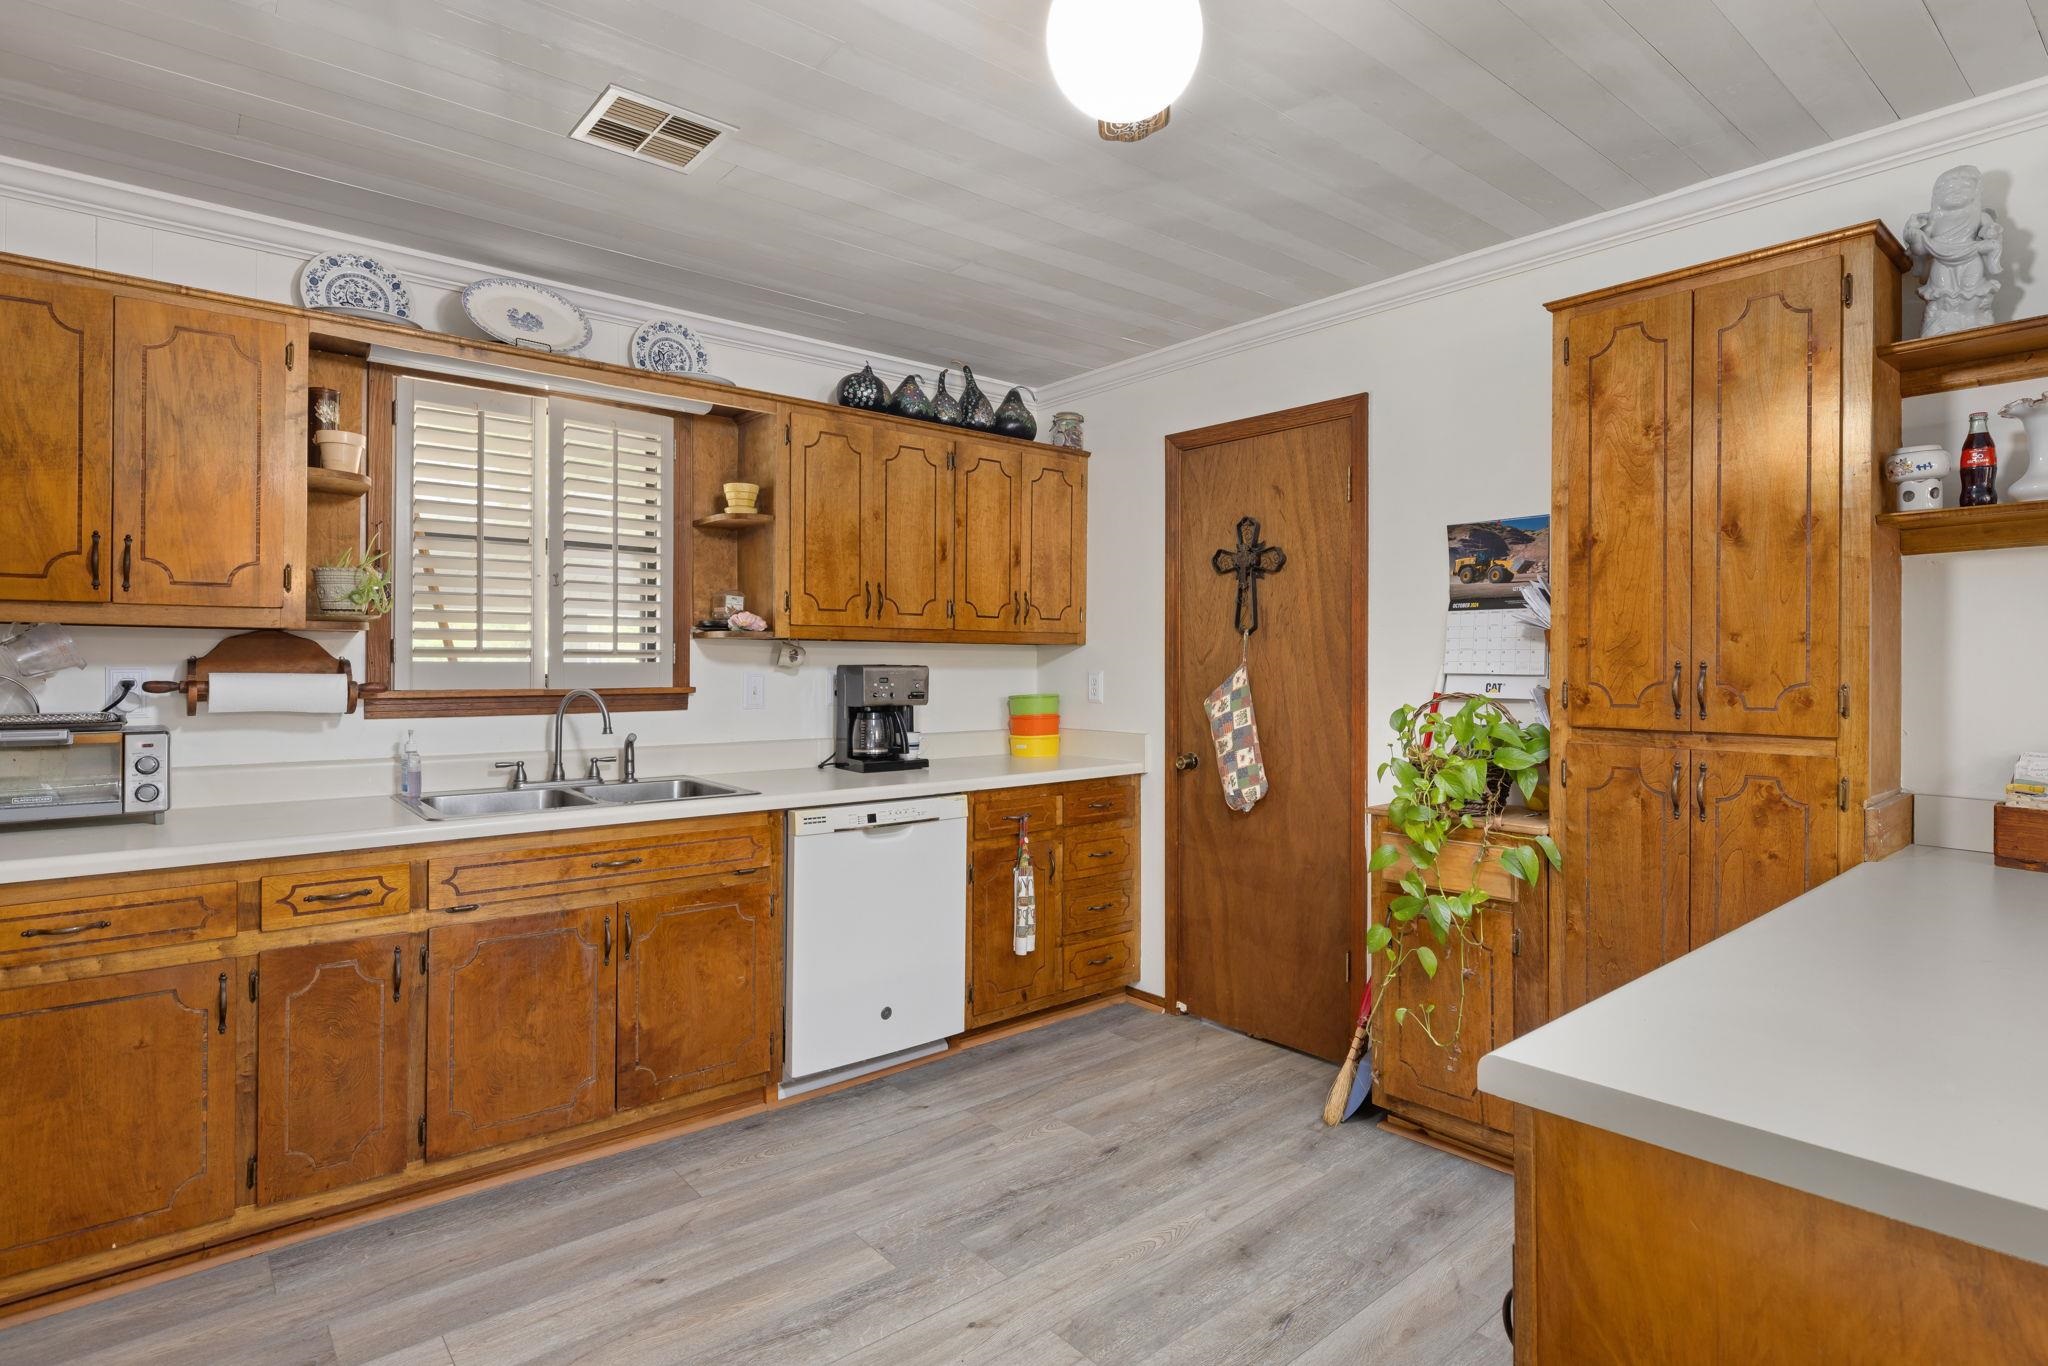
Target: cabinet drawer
[
  {"x": 114, "y": 922},
  {"x": 1094, "y": 909},
  {"x": 1091, "y": 854},
  {"x": 993, "y": 813},
  {"x": 336, "y": 894},
  {"x": 484, "y": 878},
  {"x": 1100, "y": 963},
  {"x": 1105, "y": 799}
]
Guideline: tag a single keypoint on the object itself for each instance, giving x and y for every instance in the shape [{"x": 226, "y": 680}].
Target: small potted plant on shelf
[
  {"x": 354, "y": 585},
  {"x": 1453, "y": 771}
]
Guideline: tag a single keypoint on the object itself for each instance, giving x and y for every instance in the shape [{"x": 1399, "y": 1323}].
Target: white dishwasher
[{"x": 877, "y": 934}]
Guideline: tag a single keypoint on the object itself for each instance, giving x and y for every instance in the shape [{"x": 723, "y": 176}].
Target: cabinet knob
[{"x": 1184, "y": 762}]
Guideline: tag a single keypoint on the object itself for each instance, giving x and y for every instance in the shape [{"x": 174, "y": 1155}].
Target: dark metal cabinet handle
[
  {"x": 92, "y": 560},
  {"x": 287, "y": 578},
  {"x": 1676, "y": 770},
  {"x": 1699, "y": 792},
  {"x": 615, "y": 862},
  {"x": 356, "y": 895},
  {"x": 460, "y": 910},
  {"x": 66, "y": 929},
  {"x": 1102, "y": 805},
  {"x": 127, "y": 560},
  {"x": 1100, "y": 962},
  {"x": 1101, "y": 906},
  {"x": 1677, "y": 695},
  {"x": 220, "y": 1008},
  {"x": 1699, "y": 690},
  {"x": 867, "y": 599},
  {"x": 628, "y": 923},
  {"x": 607, "y": 939},
  {"x": 397, "y": 971},
  {"x": 1101, "y": 853}
]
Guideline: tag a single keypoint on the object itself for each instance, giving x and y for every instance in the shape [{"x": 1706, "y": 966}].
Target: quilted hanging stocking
[{"x": 1236, "y": 732}]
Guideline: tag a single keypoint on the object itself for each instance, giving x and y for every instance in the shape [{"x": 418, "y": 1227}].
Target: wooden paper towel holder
[{"x": 256, "y": 652}]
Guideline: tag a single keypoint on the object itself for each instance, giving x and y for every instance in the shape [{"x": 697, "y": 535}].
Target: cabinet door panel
[
  {"x": 911, "y": 532},
  {"x": 1003, "y": 980},
  {"x": 1054, "y": 542},
  {"x": 117, "y": 1121},
  {"x": 1443, "y": 1077},
  {"x": 55, "y": 441},
  {"x": 335, "y": 1044},
  {"x": 1624, "y": 874},
  {"x": 696, "y": 991},
  {"x": 1629, "y": 497},
  {"x": 1764, "y": 830},
  {"x": 207, "y": 482},
  {"x": 990, "y": 493},
  {"x": 520, "y": 1028},
  {"x": 831, "y": 460},
  {"x": 1767, "y": 501}
]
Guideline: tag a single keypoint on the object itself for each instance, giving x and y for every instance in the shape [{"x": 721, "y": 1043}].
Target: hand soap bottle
[{"x": 408, "y": 771}]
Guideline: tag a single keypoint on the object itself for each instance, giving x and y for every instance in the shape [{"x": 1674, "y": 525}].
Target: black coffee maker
[{"x": 874, "y": 705}]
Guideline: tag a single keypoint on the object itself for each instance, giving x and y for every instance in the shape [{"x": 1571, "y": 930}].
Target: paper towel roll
[{"x": 322, "y": 694}]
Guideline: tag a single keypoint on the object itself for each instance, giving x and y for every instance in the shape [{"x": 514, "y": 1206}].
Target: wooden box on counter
[{"x": 2019, "y": 838}]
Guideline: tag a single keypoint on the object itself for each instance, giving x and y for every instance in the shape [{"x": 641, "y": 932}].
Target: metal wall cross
[{"x": 1251, "y": 561}]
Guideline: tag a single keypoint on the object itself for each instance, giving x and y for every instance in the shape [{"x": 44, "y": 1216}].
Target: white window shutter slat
[{"x": 611, "y": 612}]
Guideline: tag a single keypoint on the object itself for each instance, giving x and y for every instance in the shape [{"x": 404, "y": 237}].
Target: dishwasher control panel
[{"x": 826, "y": 820}]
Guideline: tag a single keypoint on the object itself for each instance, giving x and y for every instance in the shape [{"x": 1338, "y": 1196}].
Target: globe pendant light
[{"x": 1122, "y": 61}]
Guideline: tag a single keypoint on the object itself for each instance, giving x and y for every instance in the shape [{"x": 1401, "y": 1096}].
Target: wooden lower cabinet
[
  {"x": 338, "y": 1030},
  {"x": 117, "y": 1117},
  {"x": 520, "y": 1033},
  {"x": 1764, "y": 830},
  {"x": 1004, "y": 982},
  {"x": 698, "y": 990}
]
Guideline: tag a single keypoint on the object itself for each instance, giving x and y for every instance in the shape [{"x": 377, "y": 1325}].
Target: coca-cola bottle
[{"x": 1980, "y": 463}]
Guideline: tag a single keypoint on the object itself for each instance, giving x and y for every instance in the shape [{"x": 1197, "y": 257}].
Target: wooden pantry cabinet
[{"x": 1725, "y": 640}]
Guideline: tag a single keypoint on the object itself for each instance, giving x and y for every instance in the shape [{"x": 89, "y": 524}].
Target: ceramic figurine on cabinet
[
  {"x": 1014, "y": 419},
  {"x": 863, "y": 389},
  {"x": 1916, "y": 473},
  {"x": 2031, "y": 487},
  {"x": 945, "y": 408},
  {"x": 909, "y": 400},
  {"x": 1958, "y": 242},
  {"x": 975, "y": 409}
]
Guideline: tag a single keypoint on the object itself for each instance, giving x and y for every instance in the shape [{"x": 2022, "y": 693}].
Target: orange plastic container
[{"x": 1048, "y": 724}]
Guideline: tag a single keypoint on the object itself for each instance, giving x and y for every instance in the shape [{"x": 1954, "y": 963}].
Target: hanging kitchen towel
[{"x": 1236, "y": 733}]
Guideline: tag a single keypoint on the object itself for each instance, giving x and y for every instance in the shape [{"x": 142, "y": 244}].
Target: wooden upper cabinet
[
  {"x": 909, "y": 533},
  {"x": 1767, "y": 502},
  {"x": 209, "y": 484},
  {"x": 1628, "y": 814},
  {"x": 831, "y": 461},
  {"x": 698, "y": 997},
  {"x": 990, "y": 491},
  {"x": 1764, "y": 830},
  {"x": 520, "y": 1028},
  {"x": 56, "y": 510},
  {"x": 118, "y": 1117},
  {"x": 1626, "y": 410},
  {"x": 1002, "y": 979},
  {"x": 337, "y": 1035},
  {"x": 1054, "y": 542}
]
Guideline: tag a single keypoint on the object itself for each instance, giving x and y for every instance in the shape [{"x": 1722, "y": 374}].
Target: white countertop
[
  {"x": 1881, "y": 1041},
  {"x": 223, "y": 834}
]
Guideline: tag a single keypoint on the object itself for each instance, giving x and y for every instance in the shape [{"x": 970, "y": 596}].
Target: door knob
[{"x": 1184, "y": 762}]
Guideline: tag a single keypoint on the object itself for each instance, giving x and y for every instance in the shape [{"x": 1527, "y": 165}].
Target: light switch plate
[{"x": 754, "y": 695}]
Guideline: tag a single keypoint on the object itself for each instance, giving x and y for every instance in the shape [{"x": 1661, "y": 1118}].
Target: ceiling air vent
[{"x": 648, "y": 129}]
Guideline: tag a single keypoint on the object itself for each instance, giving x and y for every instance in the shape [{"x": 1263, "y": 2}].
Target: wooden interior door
[
  {"x": 1767, "y": 501},
  {"x": 910, "y": 530},
  {"x": 697, "y": 991},
  {"x": 118, "y": 1118},
  {"x": 990, "y": 491},
  {"x": 1764, "y": 830},
  {"x": 1002, "y": 981},
  {"x": 831, "y": 463},
  {"x": 1625, "y": 402},
  {"x": 56, "y": 451},
  {"x": 1626, "y": 837},
  {"x": 209, "y": 487},
  {"x": 1266, "y": 908},
  {"x": 1054, "y": 544},
  {"x": 520, "y": 1028},
  {"x": 337, "y": 1035}
]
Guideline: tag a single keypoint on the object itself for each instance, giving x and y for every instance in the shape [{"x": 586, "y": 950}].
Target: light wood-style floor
[{"x": 1116, "y": 1187}]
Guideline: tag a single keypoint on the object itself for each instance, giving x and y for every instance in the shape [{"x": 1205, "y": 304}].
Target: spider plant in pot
[
  {"x": 1453, "y": 772},
  {"x": 353, "y": 585}
]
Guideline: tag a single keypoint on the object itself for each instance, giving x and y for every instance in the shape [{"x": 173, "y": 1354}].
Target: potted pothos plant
[
  {"x": 353, "y": 585},
  {"x": 1453, "y": 771}
]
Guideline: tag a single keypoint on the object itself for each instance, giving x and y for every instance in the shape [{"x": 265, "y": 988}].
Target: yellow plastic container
[{"x": 1034, "y": 746}]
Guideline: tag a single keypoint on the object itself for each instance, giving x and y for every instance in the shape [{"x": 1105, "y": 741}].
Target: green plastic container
[{"x": 1034, "y": 703}]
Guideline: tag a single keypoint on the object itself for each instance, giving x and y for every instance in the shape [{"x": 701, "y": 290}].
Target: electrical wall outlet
[
  {"x": 1095, "y": 685},
  {"x": 114, "y": 675},
  {"x": 754, "y": 694}
]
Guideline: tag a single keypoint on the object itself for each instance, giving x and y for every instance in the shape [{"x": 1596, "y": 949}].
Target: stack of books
[{"x": 2029, "y": 786}]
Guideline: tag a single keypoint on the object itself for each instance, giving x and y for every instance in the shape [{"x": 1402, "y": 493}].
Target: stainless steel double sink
[{"x": 510, "y": 801}]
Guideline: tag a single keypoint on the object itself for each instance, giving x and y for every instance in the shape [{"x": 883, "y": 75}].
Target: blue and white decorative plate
[
  {"x": 348, "y": 282},
  {"x": 526, "y": 314},
  {"x": 669, "y": 349}
]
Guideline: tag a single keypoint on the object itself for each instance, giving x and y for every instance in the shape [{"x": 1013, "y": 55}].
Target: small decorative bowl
[{"x": 742, "y": 497}]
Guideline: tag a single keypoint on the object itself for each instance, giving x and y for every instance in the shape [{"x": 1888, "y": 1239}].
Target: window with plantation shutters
[{"x": 534, "y": 542}]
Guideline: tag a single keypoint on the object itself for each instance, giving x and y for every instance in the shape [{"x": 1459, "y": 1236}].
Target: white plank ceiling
[{"x": 907, "y": 178}]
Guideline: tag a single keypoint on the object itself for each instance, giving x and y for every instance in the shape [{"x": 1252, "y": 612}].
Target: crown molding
[
  {"x": 2020, "y": 109},
  {"x": 57, "y": 188}
]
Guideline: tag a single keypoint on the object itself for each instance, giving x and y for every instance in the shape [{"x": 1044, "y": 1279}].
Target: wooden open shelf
[
  {"x": 1999, "y": 354},
  {"x": 733, "y": 521},
  {"x": 340, "y": 482},
  {"x": 697, "y": 633},
  {"x": 2000, "y": 526}
]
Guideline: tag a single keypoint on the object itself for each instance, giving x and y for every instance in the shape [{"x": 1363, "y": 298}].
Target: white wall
[
  {"x": 87, "y": 222},
  {"x": 1460, "y": 430}
]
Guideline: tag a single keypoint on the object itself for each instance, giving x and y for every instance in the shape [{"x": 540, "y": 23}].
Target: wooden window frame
[{"x": 380, "y": 699}]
